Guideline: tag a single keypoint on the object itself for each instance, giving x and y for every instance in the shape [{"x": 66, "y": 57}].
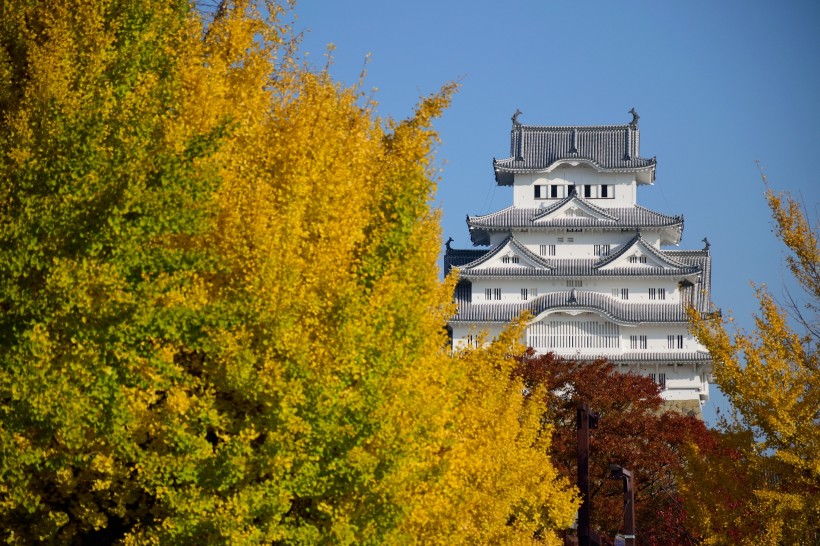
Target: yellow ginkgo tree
[
  {"x": 771, "y": 376},
  {"x": 222, "y": 321}
]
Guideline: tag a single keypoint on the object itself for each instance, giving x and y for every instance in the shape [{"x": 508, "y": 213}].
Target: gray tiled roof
[
  {"x": 535, "y": 148},
  {"x": 616, "y": 310},
  {"x": 678, "y": 263},
  {"x": 456, "y": 257},
  {"x": 638, "y": 242},
  {"x": 576, "y": 267},
  {"x": 634, "y": 217},
  {"x": 538, "y": 263},
  {"x": 700, "y": 294},
  {"x": 688, "y": 357}
]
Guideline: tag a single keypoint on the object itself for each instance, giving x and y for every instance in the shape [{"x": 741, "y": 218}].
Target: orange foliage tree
[{"x": 634, "y": 431}]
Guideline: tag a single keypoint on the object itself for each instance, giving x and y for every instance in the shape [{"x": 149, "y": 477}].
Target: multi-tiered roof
[{"x": 584, "y": 182}]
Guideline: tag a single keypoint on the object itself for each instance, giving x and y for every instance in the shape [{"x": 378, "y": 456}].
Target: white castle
[{"x": 577, "y": 251}]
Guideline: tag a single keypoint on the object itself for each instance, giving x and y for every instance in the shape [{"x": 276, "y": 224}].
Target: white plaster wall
[
  {"x": 532, "y": 238},
  {"x": 461, "y": 333},
  {"x": 510, "y": 289},
  {"x": 684, "y": 381},
  {"x": 583, "y": 242},
  {"x": 625, "y": 186},
  {"x": 638, "y": 287},
  {"x": 575, "y": 244}
]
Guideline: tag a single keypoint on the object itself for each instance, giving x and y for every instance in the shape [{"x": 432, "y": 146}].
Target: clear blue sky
[{"x": 718, "y": 85}]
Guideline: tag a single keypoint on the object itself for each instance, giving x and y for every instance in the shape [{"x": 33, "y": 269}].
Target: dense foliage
[
  {"x": 634, "y": 431},
  {"x": 221, "y": 314},
  {"x": 764, "y": 486}
]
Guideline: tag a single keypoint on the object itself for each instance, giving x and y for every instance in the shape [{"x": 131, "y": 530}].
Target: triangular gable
[
  {"x": 638, "y": 254},
  {"x": 573, "y": 207},
  {"x": 510, "y": 254}
]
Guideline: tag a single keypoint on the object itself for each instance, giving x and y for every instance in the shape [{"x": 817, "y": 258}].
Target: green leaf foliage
[{"x": 221, "y": 314}]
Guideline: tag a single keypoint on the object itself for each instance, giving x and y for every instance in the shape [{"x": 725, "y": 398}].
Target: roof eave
[{"x": 504, "y": 174}]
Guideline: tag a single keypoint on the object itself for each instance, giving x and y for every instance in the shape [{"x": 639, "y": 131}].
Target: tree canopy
[
  {"x": 771, "y": 376},
  {"x": 221, "y": 314}
]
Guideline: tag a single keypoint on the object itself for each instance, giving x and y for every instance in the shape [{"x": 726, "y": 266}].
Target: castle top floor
[{"x": 600, "y": 163}]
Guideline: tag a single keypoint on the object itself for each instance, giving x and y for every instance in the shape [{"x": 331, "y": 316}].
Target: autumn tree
[
  {"x": 634, "y": 431},
  {"x": 221, "y": 314},
  {"x": 771, "y": 377}
]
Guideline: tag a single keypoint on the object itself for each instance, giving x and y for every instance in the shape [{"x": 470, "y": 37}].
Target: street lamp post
[
  {"x": 619, "y": 472},
  {"x": 584, "y": 422}
]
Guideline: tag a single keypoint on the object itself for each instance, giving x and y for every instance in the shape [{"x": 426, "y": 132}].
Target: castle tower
[{"x": 588, "y": 262}]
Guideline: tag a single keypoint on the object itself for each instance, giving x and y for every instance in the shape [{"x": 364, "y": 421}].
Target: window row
[
  {"x": 549, "y": 250},
  {"x": 492, "y": 294},
  {"x": 527, "y": 293},
  {"x": 588, "y": 191},
  {"x": 654, "y": 293},
  {"x": 619, "y": 293},
  {"x": 638, "y": 342}
]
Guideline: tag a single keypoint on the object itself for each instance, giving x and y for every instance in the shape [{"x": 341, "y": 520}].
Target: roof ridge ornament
[
  {"x": 514, "y": 118},
  {"x": 635, "y": 118},
  {"x": 706, "y": 244}
]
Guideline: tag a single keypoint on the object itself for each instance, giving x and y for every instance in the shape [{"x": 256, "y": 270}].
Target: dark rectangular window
[
  {"x": 674, "y": 342},
  {"x": 492, "y": 294},
  {"x": 588, "y": 190},
  {"x": 657, "y": 293},
  {"x": 604, "y": 190},
  {"x": 660, "y": 379}
]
